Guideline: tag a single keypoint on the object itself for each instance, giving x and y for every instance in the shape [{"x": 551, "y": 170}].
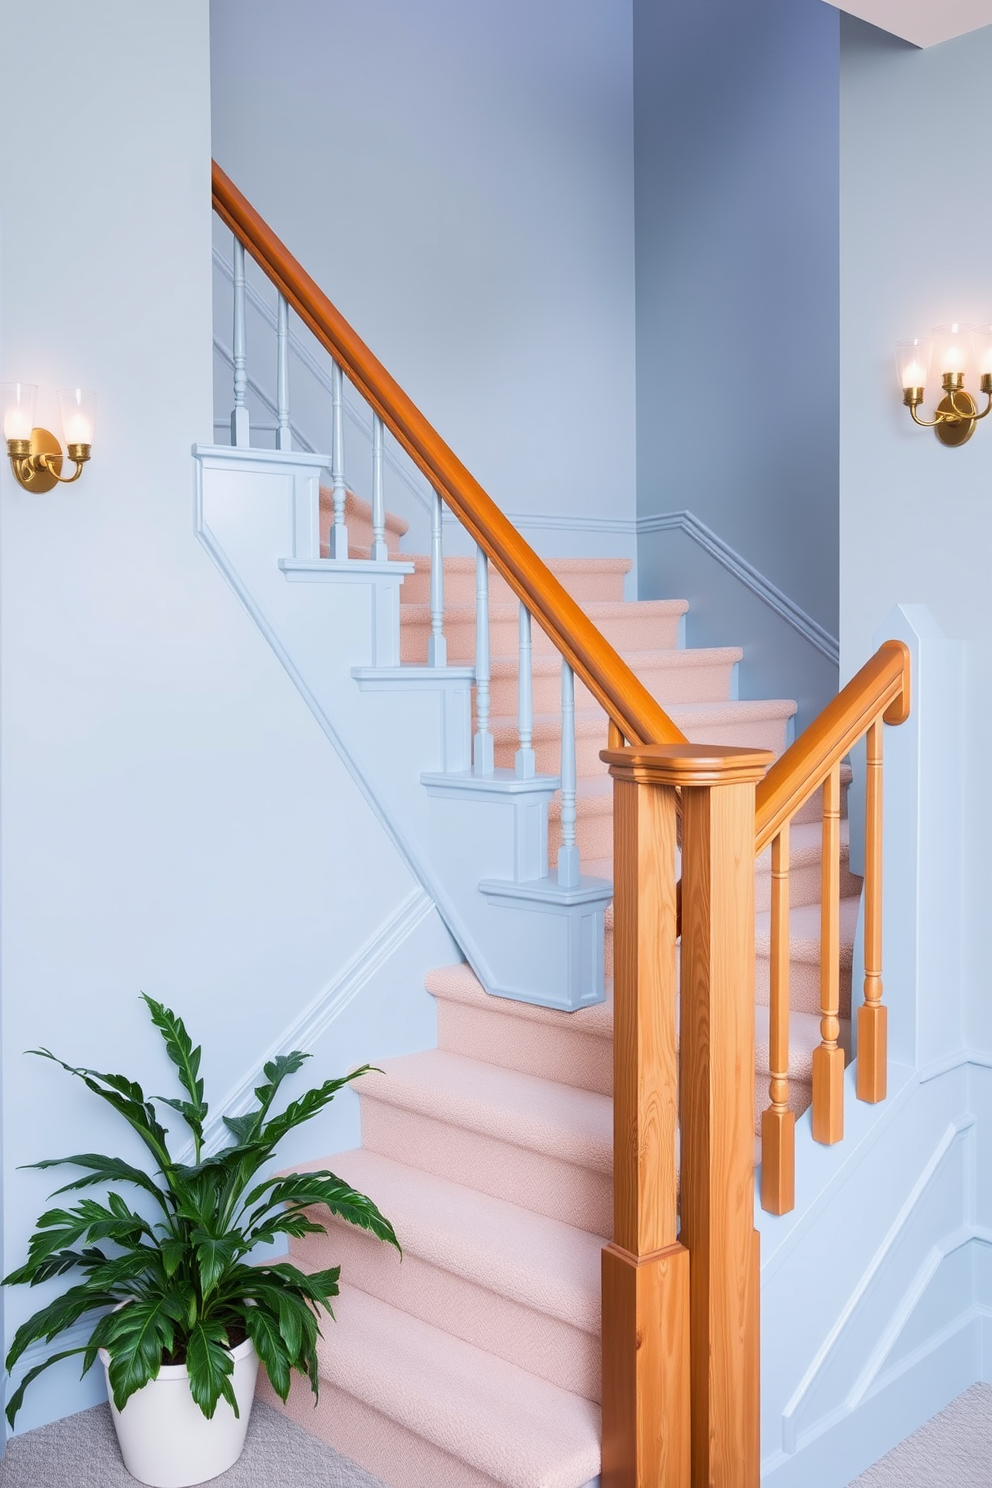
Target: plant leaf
[
  {"x": 17, "y": 1399},
  {"x": 127, "y": 1099},
  {"x": 136, "y": 1338},
  {"x": 210, "y": 1366},
  {"x": 56, "y": 1317},
  {"x": 305, "y": 1190},
  {"x": 264, "y": 1333},
  {"x": 214, "y": 1254},
  {"x": 307, "y": 1106},
  {"x": 179, "y": 1047},
  {"x": 102, "y": 1170}
]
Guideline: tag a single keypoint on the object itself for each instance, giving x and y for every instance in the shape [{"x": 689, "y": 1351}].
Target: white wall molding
[
  {"x": 310, "y": 1025},
  {"x": 770, "y": 594}
]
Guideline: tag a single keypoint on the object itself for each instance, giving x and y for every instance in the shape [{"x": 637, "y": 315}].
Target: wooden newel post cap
[{"x": 687, "y": 764}]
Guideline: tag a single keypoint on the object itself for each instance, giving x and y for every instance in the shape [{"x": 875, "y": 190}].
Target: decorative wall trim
[
  {"x": 790, "y": 1436},
  {"x": 357, "y": 410},
  {"x": 685, "y": 521},
  {"x": 329, "y": 1004}
]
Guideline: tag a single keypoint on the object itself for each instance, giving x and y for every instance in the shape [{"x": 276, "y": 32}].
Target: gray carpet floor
[
  {"x": 81, "y": 1452},
  {"x": 952, "y": 1450}
]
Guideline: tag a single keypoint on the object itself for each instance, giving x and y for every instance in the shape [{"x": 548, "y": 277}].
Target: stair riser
[
  {"x": 804, "y": 883},
  {"x": 702, "y": 683},
  {"x": 804, "y": 985},
  {"x": 561, "y": 1190},
  {"x": 585, "y": 585},
  {"x": 593, "y": 830},
  {"x": 624, "y": 632},
  {"x": 546, "y": 1346},
  {"x": 547, "y": 749},
  {"x": 557, "y": 1054},
  {"x": 376, "y": 1442}
]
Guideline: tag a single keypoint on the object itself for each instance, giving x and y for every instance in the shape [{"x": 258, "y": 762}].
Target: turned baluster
[
  {"x": 873, "y": 1015},
  {"x": 525, "y": 761},
  {"x": 828, "y": 1057},
  {"x": 778, "y": 1123},
  {"x": 239, "y": 416},
  {"x": 338, "y": 547},
  {"x": 437, "y": 646},
  {"x": 284, "y": 439},
  {"x": 379, "y": 550},
  {"x": 569, "y": 868},
  {"x": 482, "y": 744}
]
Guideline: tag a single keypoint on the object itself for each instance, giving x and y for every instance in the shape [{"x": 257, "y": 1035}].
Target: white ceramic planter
[{"x": 166, "y": 1440}]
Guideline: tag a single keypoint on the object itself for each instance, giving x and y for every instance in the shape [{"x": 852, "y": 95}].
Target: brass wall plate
[
  {"x": 961, "y": 430},
  {"x": 35, "y": 477}
]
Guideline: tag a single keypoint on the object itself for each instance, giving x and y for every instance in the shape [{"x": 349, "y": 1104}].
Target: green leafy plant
[{"x": 180, "y": 1284}]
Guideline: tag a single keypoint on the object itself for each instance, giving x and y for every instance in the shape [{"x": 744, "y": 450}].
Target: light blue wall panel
[{"x": 736, "y": 192}]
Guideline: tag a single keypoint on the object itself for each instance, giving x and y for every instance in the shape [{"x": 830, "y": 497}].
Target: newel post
[{"x": 680, "y": 1300}]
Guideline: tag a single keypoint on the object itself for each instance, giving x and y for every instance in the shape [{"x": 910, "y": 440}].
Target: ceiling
[{"x": 923, "y": 22}]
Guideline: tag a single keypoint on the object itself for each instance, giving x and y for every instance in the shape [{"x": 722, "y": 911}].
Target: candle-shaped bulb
[
  {"x": 18, "y": 400},
  {"x": 913, "y": 362},
  {"x": 78, "y": 409},
  {"x": 952, "y": 348}
]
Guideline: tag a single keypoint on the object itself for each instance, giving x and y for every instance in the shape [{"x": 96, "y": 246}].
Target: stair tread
[
  {"x": 459, "y": 983},
  {"x": 520, "y": 1429},
  {"x": 561, "y": 1121},
  {"x": 804, "y": 931},
  {"x": 543, "y": 1263}
]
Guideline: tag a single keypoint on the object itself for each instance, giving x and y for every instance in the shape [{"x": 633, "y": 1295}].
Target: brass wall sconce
[
  {"x": 957, "y": 412},
  {"x": 35, "y": 454}
]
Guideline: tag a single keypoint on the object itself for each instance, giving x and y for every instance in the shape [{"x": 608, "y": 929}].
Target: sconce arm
[
  {"x": 924, "y": 423},
  {"x": 46, "y": 463},
  {"x": 973, "y": 416}
]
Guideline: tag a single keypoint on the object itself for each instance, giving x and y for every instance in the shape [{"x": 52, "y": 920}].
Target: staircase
[{"x": 475, "y": 1361}]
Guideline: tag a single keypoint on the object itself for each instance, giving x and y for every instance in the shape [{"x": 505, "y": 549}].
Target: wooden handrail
[
  {"x": 626, "y": 700},
  {"x": 881, "y": 687}
]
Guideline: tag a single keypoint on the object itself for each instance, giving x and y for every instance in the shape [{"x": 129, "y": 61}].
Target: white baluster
[
  {"x": 339, "y": 532},
  {"x": 437, "y": 646},
  {"x": 379, "y": 550},
  {"x": 482, "y": 744},
  {"x": 569, "y": 870},
  {"x": 239, "y": 417},
  {"x": 525, "y": 762},
  {"x": 284, "y": 439}
]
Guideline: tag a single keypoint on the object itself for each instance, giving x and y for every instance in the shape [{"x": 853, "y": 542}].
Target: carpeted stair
[{"x": 474, "y": 1361}]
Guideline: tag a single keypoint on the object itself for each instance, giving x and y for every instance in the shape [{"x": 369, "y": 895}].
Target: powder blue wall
[
  {"x": 459, "y": 179},
  {"x": 916, "y": 518},
  {"x": 736, "y": 178}
]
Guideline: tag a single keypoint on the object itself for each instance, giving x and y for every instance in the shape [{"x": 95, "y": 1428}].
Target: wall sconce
[
  {"x": 35, "y": 454},
  {"x": 957, "y": 413}
]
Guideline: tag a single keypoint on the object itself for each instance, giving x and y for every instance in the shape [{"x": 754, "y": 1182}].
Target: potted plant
[{"x": 183, "y": 1317}]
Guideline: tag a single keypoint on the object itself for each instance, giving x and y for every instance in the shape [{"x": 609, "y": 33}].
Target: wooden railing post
[
  {"x": 646, "y": 1412},
  {"x": 716, "y": 1078}
]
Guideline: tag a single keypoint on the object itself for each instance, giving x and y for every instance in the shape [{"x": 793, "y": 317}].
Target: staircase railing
[{"x": 680, "y": 1341}]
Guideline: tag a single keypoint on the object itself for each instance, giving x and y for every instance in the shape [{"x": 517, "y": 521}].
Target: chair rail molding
[{"x": 751, "y": 577}]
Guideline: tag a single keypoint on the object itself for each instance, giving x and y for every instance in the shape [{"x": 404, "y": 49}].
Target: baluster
[
  {"x": 338, "y": 547},
  {"x": 525, "y": 762},
  {"x": 239, "y": 417},
  {"x": 615, "y": 738},
  {"x": 482, "y": 744},
  {"x": 873, "y": 1015},
  {"x": 828, "y": 1058},
  {"x": 437, "y": 646},
  {"x": 778, "y": 1123},
  {"x": 284, "y": 439},
  {"x": 379, "y": 550},
  {"x": 569, "y": 870}
]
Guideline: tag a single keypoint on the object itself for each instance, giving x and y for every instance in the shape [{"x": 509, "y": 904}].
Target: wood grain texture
[
  {"x": 872, "y": 1015},
  {"x": 828, "y": 1058},
  {"x": 882, "y": 687},
  {"x": 778, "y": 1123},
  {"x": 646, "y": 1407},
  {"x": 717, "y": 1105},
  {"x": 624, "y": 697}
]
